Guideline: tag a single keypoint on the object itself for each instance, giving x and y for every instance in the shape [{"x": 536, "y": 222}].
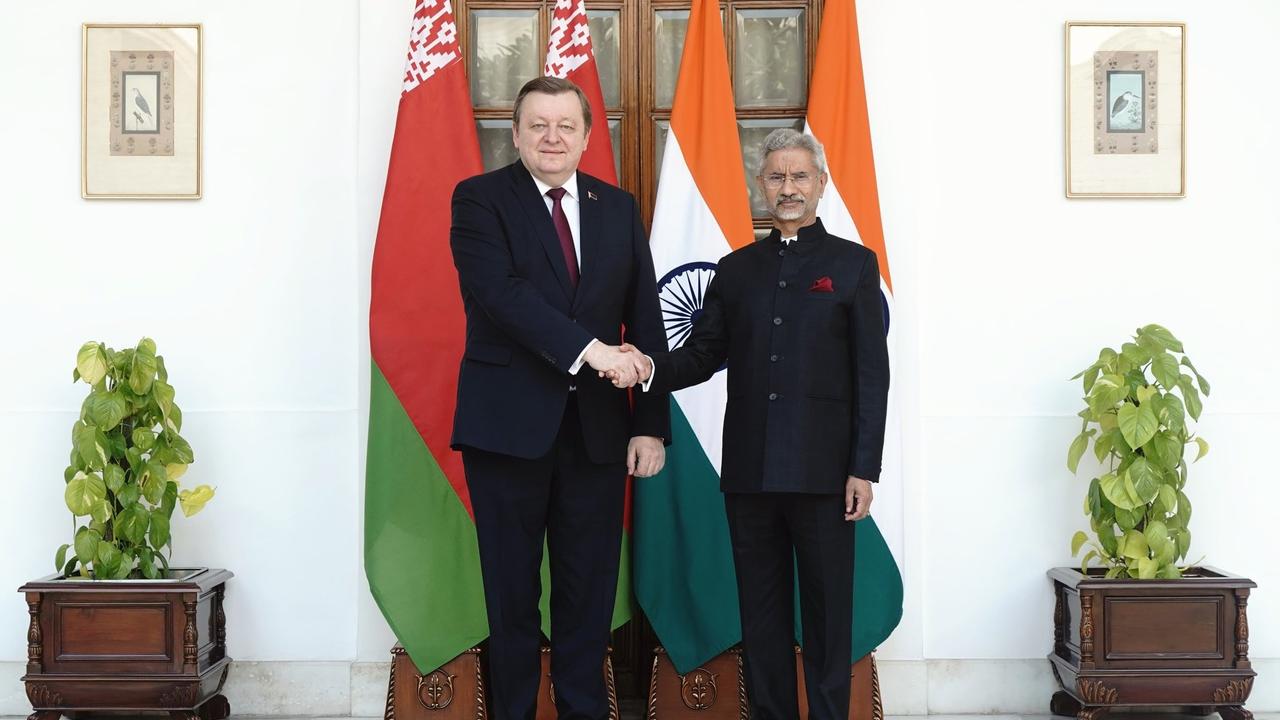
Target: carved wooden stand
[
  {"x": 718, "y": 691},
  {"x": 128, "y": 646},
  {"x": 1138, "y": 643},
  {"x": 455, "y": 690}
]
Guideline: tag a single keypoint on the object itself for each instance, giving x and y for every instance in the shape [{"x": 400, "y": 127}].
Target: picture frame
[
  {"x": 1125, "y": 109},
  {"x": 141, "y": 111}
]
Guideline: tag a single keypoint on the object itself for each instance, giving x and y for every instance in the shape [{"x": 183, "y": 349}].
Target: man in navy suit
[
  {"x": 552, "y": 264},
  {"x": 798, "y": 317}
]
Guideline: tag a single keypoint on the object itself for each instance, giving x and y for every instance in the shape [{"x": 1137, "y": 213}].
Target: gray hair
[{"x": 785, "y": 139}]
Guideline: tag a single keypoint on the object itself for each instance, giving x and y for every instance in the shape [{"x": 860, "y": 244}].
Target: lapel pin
[{"x": 591, "y": 195}]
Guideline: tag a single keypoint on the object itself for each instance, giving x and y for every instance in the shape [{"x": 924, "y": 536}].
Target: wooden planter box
[
  {"x": 1127, "y": 643},
  {"x": 128, "y": 646},
  {"x": 718, "y": 690}
]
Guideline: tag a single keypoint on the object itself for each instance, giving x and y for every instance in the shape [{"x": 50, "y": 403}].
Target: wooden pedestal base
[
  {"x": 717, "y": 690},
  {"x": 455, "y": 691}
]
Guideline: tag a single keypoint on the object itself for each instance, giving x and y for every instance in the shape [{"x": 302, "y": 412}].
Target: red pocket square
[{"x": 822, "y": 284}]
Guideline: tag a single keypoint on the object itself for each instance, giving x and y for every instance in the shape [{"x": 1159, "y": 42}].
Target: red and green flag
[{"x": 420, "y": 551}]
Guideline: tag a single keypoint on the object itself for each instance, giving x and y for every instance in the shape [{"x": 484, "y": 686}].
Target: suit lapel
[
  {"x": 591, "y": 228},
  {"x": 535, "y": 209}
]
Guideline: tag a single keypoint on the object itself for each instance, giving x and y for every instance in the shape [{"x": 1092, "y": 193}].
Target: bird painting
[
  {"x": 141, "y": 102},
  {"x": 1122, "y": 102}
]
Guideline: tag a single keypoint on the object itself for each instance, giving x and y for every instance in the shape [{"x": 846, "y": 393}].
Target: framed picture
[
  {"x": 140, "y": 111},
  {"x": 1126, "y": 109}
]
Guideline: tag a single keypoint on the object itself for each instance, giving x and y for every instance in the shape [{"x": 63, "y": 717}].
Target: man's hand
[
  {"x": 857, "y": 498},
  {"x": 639, "y": 363},
  {"x": 645, "y": 456},
  {"x": 611, "y": 361}
]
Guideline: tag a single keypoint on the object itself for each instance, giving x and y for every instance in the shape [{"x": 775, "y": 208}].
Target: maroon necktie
[{"x": 566, "y": 235}]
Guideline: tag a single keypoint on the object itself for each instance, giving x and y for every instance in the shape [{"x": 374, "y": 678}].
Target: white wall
[{"x": 1005, "y": 289}]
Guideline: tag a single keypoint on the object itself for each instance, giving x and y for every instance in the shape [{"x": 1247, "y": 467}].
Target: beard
[{"x": 790, "y": 214}]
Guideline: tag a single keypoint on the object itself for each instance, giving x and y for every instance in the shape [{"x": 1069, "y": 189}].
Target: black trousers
[
  {"x": 774, "y": 535},
  {"x": 577, "y": 506}
]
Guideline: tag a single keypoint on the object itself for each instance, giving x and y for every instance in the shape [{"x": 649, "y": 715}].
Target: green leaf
[
  {"x": 1078, "y": 446},
  {"x": 1114, "y": 490},
  {"x": 1077, "y": 541},
  {"x": 82, "y": 492},
  {"x": 1204, "y": 384},
  {"x": 182, "y": 452},
  {"x": 1114, "y": 572},
  {"x": 105, "y": 409},
  {"x": 84, "y": 438},
  {"x": 1157, "y": 535},
  {"x": 1184, "y": 510},
  {"x": 1134, "y": 545},
  {"x": 100, "y": 511},
  {"x": 1135, "y": 354},
  {"x": 60, "y": 558},
  {"x": 1137, "y": 424},
  {"x": 1204, "y": 448},
  {"x": 108, "y": 554},
  {"x": 113, "y": 476},
  {"x": 1107, "y": 537},
  {"x": 1146, "y": 481},
  {"x": 1169, "y": 572},
  {"x": 146, "y": 561},
  {"x": 1167, "y": 500},
  {"x": 1084, "y": 563},
  {"x": 91, "y": 363},
  {"x": 159, "y": 529},
  {"x": 1162, "y": 336},
  {"x": 1191, "y": 396},
  {"x": 170, "y": 499},
  {"x": 1172, "y": 413},
  {"x": 1147, "y": 568},
  {"x": 1146, "y": 392},
  {"x": 1184, "y": 542},
  {"x": 163, "y": 392},
  {"x": 1165, "y": 367},
  {"x": 1102, "y": 445},
  {"x": 160, "y": 371},
  {"x": 133, "y": 522},
  {"x": 1107, "y": 391},
  {"x": 142, "y": 371},
  {"x": 129, "y": 494},
  {"x": 1165, "y": 450},
  {"x": 144, "y": 439},
  {"x": 86, "y": 545},
  {"x": 1093, "y": 500},
  {"x": 153, "y": 481},
  {"x": 1090, "y": 376}
]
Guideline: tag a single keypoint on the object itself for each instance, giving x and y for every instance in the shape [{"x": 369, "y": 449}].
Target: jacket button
[
  {"x": 773, "y": 358},
  {"x": 781, "y": 253},
  {"x": 777, "y": 321},
  {"x": 773, "y": 396},
  {"x": 782, "y": 283}
]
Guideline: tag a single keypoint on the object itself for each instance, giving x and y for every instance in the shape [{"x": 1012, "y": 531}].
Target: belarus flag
[{"x": 420, "y": 551}]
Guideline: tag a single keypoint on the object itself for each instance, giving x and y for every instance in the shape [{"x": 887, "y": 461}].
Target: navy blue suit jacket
[{"x": 526, "y": 324}]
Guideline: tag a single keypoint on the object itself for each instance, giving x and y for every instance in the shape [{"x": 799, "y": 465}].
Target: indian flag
[
  {"x": 684, "y": 576},
  {"x": 850, "y": 208},
  {"x": 420, "y": 551}
]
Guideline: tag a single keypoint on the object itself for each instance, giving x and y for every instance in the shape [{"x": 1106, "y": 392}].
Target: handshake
[{"x": 624, "y": 365}]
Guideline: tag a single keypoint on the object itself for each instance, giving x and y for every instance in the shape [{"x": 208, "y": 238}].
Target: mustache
[{"x": 797, "y": 197}]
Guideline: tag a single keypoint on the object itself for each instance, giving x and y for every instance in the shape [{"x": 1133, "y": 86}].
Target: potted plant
[
  {"x": 115, "y": 628},
  {"x": 1132, "y": 627}
]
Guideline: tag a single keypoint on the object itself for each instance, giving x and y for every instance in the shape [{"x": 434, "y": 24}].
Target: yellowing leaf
[
  {"x": 175, "y": 470},
  {"x": 91, "y": 361},
  {"x": 193, "y": 501}
]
